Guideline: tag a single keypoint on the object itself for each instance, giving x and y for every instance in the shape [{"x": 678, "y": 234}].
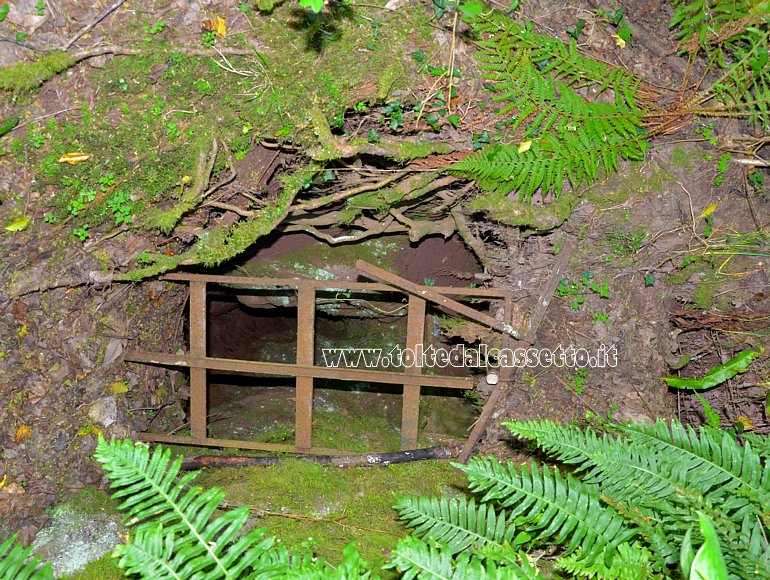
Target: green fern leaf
[
  {"x": 456, "y": 522},
  {"x": 17, "y": 562},
  {"x": 724, "y": 467},
  {"x": 552, "y": 507},
  {"x": 415, "y": 558},
  {"x": 760, "y": 444},
  {"x": 171, "y": 516},
  {"x": 535, "y": 77},
  {"x": 634, "y": 563}
]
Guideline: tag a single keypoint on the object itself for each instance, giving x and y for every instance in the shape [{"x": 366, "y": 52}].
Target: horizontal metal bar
[
  {"x": 330, "y": 284},
  {"x": 238, "y": 444},
  {"x": 290, "y": 370}
]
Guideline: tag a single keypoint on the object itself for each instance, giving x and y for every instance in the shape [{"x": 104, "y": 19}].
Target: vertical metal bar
[
  {"x": 303, "y": 420},
  {"x": 198, "y": 395},
  {"x": 506, "y": 373},
  {"x": 410, "y": 409}
]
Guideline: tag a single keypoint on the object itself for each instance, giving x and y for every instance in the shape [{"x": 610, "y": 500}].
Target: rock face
[
  {"x": 104, "y": 412},
  {"x": 72, "y": 539}
]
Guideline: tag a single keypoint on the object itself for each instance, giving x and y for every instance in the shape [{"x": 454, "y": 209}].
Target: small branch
[
  {"x": 107, "y": 49},
  {"x": 229, "y": 207},
  {"x": 95, "y": 278},
  {"x": 87, "y": 28},
  {"x": 231, "y": 51},
  {"x": 475, "y": 244},
  {"x": 385, "y": 226},
  {"x": 752, "y": 162},
  {"x": 339, "y": 196},
  {"x": 22, "y": 44}
]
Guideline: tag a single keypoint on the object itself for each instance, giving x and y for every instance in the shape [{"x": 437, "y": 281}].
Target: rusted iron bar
[
  {"x": 355, "y": 460},
  {"x": 538, "y": 313},
  {"x": 289, "y": 370},
  {"x": 236, "y": 444},
  {"x": 410, "y": 404},
  {"x": 198, "y": 397},
  {"x": 341, "y": 285},
  {"x": 303, "y": 419},
  {"x": 435, "y": 295}
]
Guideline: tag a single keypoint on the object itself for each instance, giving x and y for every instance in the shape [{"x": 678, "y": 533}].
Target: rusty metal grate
[{"x": 304, "y": 370}]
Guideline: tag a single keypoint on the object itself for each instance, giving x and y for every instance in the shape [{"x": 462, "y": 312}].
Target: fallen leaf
[
  {"x": 119, "y": 387},
  {"x": 525, "y": 146},
  {"x": 22, "y": 431},
  {"x": 619, "y": 41},
  {"x": 14, "y": 488},
  {"x": 18, "y": 224},
  {"x": 219, "y": 26},
  {"x": 22, "y": 332},
  {"x": 73, "y": 158},
  {"x": 709, "y": 210},
  {"x": 2, "y": 481},
  {"x": 748, "y": 424}
]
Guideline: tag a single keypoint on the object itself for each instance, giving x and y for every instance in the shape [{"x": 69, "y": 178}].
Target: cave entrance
[{"x": 225, "y": 348}]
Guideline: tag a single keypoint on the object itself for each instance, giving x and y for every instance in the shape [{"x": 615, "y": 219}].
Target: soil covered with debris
[{"x": 260, "y": 139}]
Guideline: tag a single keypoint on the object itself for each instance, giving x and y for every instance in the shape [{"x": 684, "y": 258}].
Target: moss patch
[
  {"x": 637, "y": 178},
  {"x": 22, "y": 77},
  {"x": 361, "y": 497}
]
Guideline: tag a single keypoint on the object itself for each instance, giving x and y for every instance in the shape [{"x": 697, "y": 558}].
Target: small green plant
[
  {"x": 209, "y": 38},
  {"x": 626, "y": 243},
  {"x": 81, "y": 232},
  {"x": 156, "y": 28},
  {"x": 4, "y": 11},
  {"x": 577, "y": 380},
  {"x": 49, "y": 218},
  {"x": 37, "y": 139},
  {"x": 315, "y": 5},
  {"x": 601, "y": 422},
  {"x": 721, "y": 168},
  {"x": 576, "y": 29},
  {"x": 393, "y": 115},
  {"x": 76, "y": 205},
  {"x": 602, "y": 317},
  {"x": 372, "y": 136},
  {"x": 576, "y": 291},
  {"x": 21, "y": 36},
  {"x": 106, "y": 181},
  {"x": 649, "y": 280},
  {"x": 40, "y": 7},
  {"x": 172, "y": 131},
  {"x": 122, "y": 207},
  {"x": 143, "y": 259}
]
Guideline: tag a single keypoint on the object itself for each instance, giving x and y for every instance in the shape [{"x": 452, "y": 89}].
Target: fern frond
[
  {"x": 710, "y": 22},
  {"x": 760, "y": 444},
  {"x": 415, "y": 558},
  {"x": 169, "y": 514},
  {"x": 17, "y": 562},
  {"x": 456, "y": 522},
  {"x": 552, "y": 507},
  {"x": 744, "y": 85},
  {"x": 634, "y": 563},
  {"x": 537, "y": 78},
  {"x": 725, "y": 469},
  {"x": 621, "y": 471}
]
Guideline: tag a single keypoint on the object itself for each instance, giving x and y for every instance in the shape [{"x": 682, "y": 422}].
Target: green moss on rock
[{"x": 24, "y": 77}]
